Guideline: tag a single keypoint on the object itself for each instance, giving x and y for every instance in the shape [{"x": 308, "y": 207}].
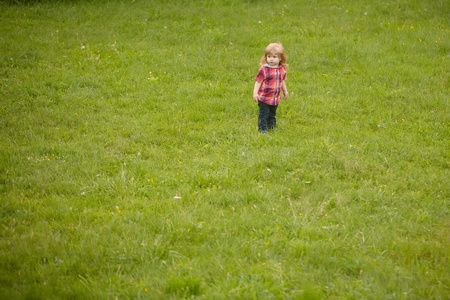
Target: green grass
[{"x": 131, "y": 166}]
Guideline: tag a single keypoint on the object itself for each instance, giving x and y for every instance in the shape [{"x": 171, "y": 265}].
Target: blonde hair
[{"x": 278, "y": 49}]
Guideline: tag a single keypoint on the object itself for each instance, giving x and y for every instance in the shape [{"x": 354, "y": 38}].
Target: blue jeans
[{"x": 267, "y": 116}]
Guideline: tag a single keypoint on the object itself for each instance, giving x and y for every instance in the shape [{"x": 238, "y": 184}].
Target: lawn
[{"x": 131, "y": 166}]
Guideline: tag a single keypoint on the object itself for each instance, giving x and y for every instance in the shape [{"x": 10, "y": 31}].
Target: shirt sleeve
[
  {"x": 260, "y": 76},
  {"x": 283, "y": 77}
]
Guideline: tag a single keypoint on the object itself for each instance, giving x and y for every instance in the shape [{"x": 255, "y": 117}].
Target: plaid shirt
[{"x": 271, "y": 78}]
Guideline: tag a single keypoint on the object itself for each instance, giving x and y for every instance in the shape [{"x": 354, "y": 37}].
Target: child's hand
[
  {"x": 286, "y": 94},
  {"x": 256, "y": 91}
]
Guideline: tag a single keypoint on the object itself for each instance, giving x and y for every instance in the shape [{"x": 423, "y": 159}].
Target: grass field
[{"x": 131, "y": 166}]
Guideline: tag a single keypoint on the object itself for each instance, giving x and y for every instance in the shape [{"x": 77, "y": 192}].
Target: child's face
[{"x": 273, "y": 59}]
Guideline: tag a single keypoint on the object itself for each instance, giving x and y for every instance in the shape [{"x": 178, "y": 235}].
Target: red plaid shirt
[{"x": 271, "y": 78}]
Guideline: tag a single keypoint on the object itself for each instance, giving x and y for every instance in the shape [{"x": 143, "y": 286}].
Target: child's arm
[
  {"x": 256, "y": 90},
  {"x": 285, "y": 92}
]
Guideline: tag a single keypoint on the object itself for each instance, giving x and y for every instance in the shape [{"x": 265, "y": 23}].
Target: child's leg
[
  {"x": 263, "y": 116},
  {"x": 271, "y": 119}
]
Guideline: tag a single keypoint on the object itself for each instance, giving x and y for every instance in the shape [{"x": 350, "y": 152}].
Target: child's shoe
[{"x": 264, "y": 132}]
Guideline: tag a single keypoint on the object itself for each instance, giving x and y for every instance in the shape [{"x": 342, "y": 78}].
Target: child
[{"x": 269, "y": 84}]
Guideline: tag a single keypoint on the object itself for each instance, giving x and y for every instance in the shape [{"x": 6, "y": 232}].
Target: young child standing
[{"x": 269, "y": 84}]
